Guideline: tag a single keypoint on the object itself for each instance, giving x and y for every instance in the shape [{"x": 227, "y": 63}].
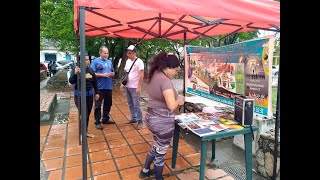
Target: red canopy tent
[{"x": 168, "y": 19}]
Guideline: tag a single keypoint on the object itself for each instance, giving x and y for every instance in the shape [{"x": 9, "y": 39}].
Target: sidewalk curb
[{"x": 47, "y": 113}]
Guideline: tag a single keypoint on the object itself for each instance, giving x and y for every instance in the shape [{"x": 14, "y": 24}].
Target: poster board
[{"x": 237, "y": 69}]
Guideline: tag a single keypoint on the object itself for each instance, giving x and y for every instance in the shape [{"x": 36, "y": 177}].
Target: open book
[
  {"x": 203, "y": 124},
  {"x": 186, "y": 117},
  {"x": 211, "y": 109},
  {"x": 199, "y": 129},
  {"x": 203, "y": 131}
]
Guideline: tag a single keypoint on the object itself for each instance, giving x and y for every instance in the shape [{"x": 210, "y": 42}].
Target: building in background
[{"x": 51, "y": 53}]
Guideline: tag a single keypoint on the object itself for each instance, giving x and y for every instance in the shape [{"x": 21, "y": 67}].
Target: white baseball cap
[{"x": 132, "y": 48}]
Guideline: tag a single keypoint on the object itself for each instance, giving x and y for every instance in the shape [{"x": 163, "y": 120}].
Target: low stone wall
[
  {"x": 43, "y": 75},
  {"x": 48, "y": 100},
  {"x": 264, "y": 155},
  {"x": 59, "y": 80},
  {"x": 263, "y": 124}
]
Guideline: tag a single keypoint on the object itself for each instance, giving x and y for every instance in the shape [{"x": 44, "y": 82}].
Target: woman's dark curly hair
[{"x": 162, "y": 61}]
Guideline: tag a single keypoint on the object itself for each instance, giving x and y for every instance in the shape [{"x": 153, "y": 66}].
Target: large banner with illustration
[{"x": 238, "y": 69}]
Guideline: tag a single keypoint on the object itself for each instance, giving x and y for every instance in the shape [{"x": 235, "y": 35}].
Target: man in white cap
[{"x": 133, "y": 87}]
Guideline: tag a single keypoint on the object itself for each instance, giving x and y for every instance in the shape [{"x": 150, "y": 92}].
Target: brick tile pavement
[{"x": 116, "y": 152}]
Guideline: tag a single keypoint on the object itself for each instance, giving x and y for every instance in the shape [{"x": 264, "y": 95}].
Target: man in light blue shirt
[{"x": 104, "y": 71}]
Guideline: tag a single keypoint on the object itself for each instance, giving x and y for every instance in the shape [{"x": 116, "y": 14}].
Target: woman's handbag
[{"x": 125, "y": 76}]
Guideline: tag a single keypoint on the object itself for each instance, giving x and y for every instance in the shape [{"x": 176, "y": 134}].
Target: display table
[{"x": 204, "y": 143}]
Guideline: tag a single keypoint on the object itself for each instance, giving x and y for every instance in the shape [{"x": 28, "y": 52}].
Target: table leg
[
  {"x": 248, "y": 154},
  {"x": 213, "y": 149},
  {"x": 203, "y": 159},
  {"x": 175, "y": 145}
]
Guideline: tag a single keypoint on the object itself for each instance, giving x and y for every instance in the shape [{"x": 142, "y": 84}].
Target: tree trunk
[{"x": 123, "y": 62}]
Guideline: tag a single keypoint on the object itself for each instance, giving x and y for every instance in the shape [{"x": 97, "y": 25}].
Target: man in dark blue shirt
[{"x": 104, "y": 71}]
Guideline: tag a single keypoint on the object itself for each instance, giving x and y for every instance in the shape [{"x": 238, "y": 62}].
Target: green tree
[
  {"x": 56, "y": 24},
  {"x": 237, "y": 37}
]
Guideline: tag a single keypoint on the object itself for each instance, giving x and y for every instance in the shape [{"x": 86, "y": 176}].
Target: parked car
[
  {"x": 63, "y": 64},
  {"x": 46, "y": 63},
  {"x": 44, "y": 67}
]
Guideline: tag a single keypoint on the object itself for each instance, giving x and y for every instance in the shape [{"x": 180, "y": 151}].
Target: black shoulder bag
[{"x": 125, "y": 78}]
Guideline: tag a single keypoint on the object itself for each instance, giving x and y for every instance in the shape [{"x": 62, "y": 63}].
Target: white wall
[
  {"x": 60, "y": 55},
  {"x": 41, "y": 57}
]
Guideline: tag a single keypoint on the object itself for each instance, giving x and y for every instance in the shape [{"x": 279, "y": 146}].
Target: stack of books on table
[
  {"x": 207, "y": 118},
  {"x": 203, "y": 124}
]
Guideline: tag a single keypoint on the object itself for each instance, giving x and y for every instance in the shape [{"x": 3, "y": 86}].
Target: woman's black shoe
[{"x": 147, "y": 174}]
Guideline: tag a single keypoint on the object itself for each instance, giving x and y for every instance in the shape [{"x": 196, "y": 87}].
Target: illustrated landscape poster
[{"x": 238, "y": 69}]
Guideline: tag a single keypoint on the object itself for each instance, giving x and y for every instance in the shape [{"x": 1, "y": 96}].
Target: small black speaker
[{"x": 243, "y": 109}]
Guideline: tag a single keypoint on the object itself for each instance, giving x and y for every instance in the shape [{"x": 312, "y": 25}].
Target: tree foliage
[{"x": 56, "y": 23}]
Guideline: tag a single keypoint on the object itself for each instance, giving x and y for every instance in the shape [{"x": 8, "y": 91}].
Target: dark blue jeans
[{"x": 106, "y": 99}]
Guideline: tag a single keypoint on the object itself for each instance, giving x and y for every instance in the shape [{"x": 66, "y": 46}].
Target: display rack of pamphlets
[{"x": 209, "y": 122}]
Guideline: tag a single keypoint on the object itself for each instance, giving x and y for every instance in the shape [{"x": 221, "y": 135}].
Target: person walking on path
[
  {"x": 133, "y": 87},
  {"x": 91, "y": 89},
  {"x": 49, "y": 67},
  {"x": 163, "y": 101},
  {"x": 104, "y": 72},
  {"x": 53, "y": 68}
]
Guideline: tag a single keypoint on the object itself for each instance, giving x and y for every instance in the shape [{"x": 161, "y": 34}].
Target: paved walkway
[{"x": 116, "y": 152}]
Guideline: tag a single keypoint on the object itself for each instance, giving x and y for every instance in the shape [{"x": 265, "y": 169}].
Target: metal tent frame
[{"x": 199, "y": 27}]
